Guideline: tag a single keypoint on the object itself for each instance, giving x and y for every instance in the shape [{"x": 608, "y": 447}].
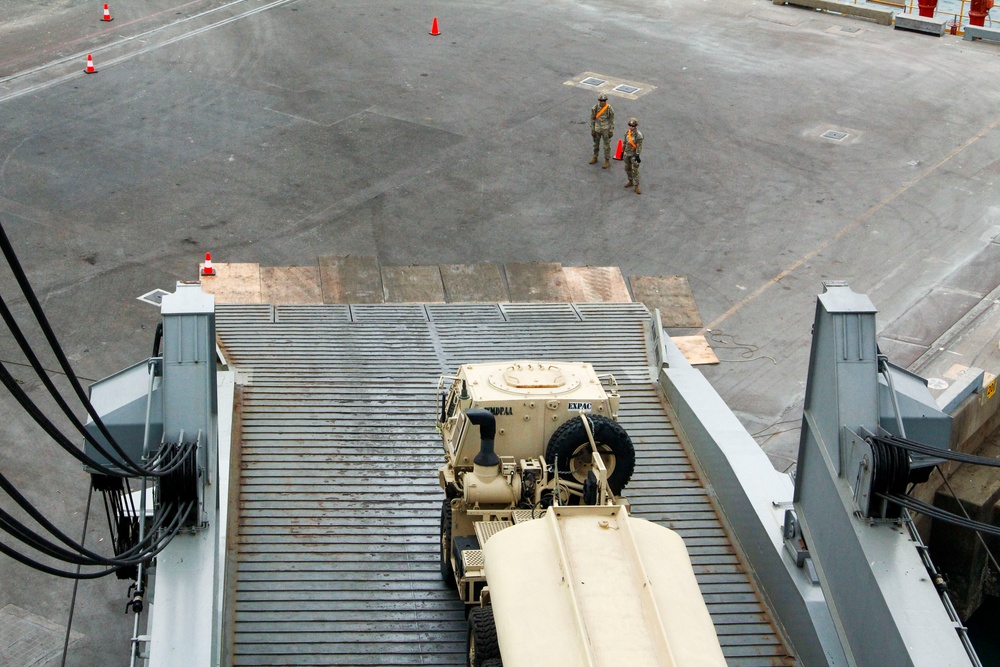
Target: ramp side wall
[{"x": 752, "y": 497}]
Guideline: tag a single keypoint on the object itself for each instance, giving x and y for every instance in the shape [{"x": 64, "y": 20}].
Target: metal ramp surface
[{"x": 336, "y": 551}]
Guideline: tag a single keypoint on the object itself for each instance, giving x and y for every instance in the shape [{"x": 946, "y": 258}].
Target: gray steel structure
[
  {"x": 184, "y": 626},
  {"x": 884, "y": 603},
  {"x": 848, "y": 590},
  {"x": 335, "y": 558}
]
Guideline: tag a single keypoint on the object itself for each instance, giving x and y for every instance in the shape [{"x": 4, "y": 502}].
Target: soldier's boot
[
  {"x": 629, "y": 184},
  {"x": 607, "y": 163},
  {"x": 593, "y": 160},
  {"x": 637, "y": 190}
]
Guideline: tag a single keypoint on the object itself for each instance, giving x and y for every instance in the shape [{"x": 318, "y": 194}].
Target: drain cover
[
  {"x": 835, "y": 135},
  {"x": 628, "y": 90},
  {"x": 593, "y": 81}
]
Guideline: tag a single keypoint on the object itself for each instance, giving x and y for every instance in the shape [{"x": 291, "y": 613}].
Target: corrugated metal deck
[{"x": 337, "y": 545}]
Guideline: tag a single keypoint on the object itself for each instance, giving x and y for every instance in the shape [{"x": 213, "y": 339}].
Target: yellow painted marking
[
  {"x": 851, "y": 226},
  {"x": 991, "y": 389}
]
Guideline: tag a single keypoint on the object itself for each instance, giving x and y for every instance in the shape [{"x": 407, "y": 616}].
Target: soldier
[
  {"x": 633, "y": 146},
  {"x": 602, "y": 125}
]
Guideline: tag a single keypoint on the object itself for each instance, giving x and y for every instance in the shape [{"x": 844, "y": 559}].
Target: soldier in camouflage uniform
[
  {"x": 633, "y": 146},
  {"x": 602, "y": 126}
]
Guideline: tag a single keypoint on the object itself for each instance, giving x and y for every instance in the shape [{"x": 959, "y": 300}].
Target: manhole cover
[
  {"x": 593, "y": 81},
  {"x": 628, "y": 90},
  {"x": 835, "y": 135}
]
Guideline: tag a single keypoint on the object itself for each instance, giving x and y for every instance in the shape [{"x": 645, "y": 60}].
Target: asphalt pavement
[{"x": 278, "y": 131}]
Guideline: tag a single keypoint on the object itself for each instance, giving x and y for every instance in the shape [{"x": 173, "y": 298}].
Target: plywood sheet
[
  {"x": 350, "y": 279},
  {"x": 695, "y": 349},
  {"x": 672, "y": 295},
  {"x": 233, "y": 283},
  {"x": 290, "y": 284},
  {"x": 589, "y": 284},
  {"x": 473, "y": 283},
  {"x": 537, "y": 282},
  {"x": 413, "y": 284}
]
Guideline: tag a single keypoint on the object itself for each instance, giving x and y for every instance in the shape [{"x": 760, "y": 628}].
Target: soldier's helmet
[
  {"x": 603, "y": 97},
  {"x": 633, "y": 122}
]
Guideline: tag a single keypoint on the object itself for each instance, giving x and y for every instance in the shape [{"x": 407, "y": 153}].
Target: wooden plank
[
  {"x": 695, "y": 349},
  {"x": 350, "y": 279},
  {"x": 473, "y": 283},
  {"x": 233, "y": 283},
  {"x": 537, "y": 282},
  {"x": 588, "y": 284},
  {"x": 672, "y": 295},
  {"x": 413, "y": 284},
  {"x": 290, "y": 284}
]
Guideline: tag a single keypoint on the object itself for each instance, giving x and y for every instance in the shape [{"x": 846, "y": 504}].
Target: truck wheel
[
  {"x": 482, "y": 644},
  {"x": 570, "y": 443},
  {"x": 447, "y": 571}
]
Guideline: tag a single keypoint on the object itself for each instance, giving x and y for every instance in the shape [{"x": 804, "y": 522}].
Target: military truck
[{"x": 536, "y": 537}]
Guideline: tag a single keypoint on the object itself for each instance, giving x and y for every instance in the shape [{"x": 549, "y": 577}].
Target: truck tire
[
  {"x": 447, "y": 571},
  {"x": 482, "y": 642},
  {"x": 570, "y": 443},
  {"x": 493, "y": 662}
]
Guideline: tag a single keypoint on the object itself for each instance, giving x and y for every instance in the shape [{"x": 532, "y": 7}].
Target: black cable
[
  {"x": 33, "y": 512},
  {"x": 53, "y": 432},
  {"x": 18, "y": 530},
  {"x": 50, "y": 570},
  {"x": 176, "y": 458},
  {"x": 43, "y": 323},
  {"x": 935, "y": 452},
  {"x": 32, "y": 358},
  {"x": 41, "y": 567},
  {"x": 937, "y": 513}
]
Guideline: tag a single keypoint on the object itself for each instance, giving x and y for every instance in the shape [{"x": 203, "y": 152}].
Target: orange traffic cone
[
  {"x": 107, "y": 13},
  {"x": 207, "y": 270},
  {"x": 434, "y": 27},
  {"x": 619, "y": 150},
  {"x": 90, "y": 65}
]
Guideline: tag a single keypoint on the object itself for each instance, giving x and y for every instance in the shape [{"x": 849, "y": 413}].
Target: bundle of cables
[{"x": 174, "y": 464}]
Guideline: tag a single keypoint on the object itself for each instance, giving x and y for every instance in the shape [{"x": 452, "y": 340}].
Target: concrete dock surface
[{"x": 782, "y": 147}]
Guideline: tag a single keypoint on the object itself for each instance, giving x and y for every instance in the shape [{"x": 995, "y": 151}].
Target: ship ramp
[{"x": 333, "y": 554}]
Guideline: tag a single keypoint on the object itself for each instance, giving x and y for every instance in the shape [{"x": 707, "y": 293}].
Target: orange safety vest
[
  {"x": 601, "y": 111},
  {"x": 629, "y": 137}
]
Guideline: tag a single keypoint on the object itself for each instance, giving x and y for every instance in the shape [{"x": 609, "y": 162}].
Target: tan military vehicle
[{"x": 536, "y": 537}]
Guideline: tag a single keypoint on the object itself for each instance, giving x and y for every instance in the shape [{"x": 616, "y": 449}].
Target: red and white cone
[
  {"x": 207, "y": 269},
  {"x": 90, "y": 65},
  {"x": 107, "y": 13}
]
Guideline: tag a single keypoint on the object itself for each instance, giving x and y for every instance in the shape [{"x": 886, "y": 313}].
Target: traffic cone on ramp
[
  {"x": 619, "y": 150},
  {"x": 90, "y": 65},
  {"x": 434, "y": 27},
  {"x": 207, "y": 269},
  {"x": 107, "y": 13}
]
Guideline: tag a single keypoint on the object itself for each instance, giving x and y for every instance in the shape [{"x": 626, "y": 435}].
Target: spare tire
[{"x": 571, "y": 444}]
